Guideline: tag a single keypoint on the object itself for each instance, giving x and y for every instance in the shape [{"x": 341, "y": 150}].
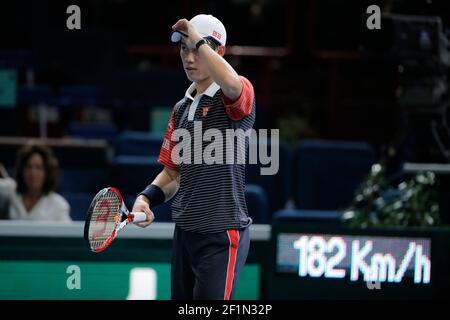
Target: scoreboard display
[
  {"x": 340, "y": 262},
  {"x": 375, "y": 259}
]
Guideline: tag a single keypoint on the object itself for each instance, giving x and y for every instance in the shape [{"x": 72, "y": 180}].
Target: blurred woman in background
[{"x": 32, "y": 195}]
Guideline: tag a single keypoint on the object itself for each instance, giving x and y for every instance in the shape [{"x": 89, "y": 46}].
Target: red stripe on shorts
[{"x": 233, "y": 237}]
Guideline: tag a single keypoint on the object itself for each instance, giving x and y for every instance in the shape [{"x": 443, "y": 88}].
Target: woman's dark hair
[{"x": 50, "y": 166}]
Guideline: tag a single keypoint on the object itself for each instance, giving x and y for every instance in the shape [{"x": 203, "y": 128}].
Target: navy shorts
[{"x": 207, "y": 266}]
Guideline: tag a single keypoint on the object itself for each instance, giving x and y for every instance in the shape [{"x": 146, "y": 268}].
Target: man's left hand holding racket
[{"x": 108, "y": 215}]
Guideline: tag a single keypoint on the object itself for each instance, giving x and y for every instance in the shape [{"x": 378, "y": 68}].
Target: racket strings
[{"x": 103, "y": 220}]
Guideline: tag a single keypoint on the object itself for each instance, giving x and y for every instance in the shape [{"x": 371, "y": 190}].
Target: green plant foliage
[{"x": 413, "y": 202}]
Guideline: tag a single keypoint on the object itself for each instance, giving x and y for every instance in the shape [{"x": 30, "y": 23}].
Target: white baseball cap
[{"x": 208, "y": 26}]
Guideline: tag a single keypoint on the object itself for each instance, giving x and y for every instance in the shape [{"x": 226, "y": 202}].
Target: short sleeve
[
  {"x": 54, "y": 207},
  {"x": 165, "y": 155},
  {"x": 64, "y": 214},
  {"x": 243, "y": 105}
]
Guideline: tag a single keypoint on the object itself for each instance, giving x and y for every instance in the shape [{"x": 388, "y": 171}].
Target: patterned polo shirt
[{"x": 211, "y": 197}]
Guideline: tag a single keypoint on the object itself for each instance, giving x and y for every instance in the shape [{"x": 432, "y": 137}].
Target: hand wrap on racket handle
[{"x": 136, "y": 217}]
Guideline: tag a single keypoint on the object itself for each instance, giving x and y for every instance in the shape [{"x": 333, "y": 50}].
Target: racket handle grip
[{"x": 138, "y": 217}]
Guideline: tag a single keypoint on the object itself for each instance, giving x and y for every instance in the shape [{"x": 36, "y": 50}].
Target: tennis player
[{"x": 211, "y": 237}]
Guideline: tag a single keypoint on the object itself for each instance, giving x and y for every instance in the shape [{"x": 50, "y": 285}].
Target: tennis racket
[{"x": 106, "y": 217}]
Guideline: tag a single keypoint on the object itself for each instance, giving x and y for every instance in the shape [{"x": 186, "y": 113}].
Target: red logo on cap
[{"x": 217, "y": 35}]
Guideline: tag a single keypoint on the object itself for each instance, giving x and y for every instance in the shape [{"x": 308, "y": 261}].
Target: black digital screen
[
  {"x": 339, "y": 262},
  {"x": 376, "y": 259}
]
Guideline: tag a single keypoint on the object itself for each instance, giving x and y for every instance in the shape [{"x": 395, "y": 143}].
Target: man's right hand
[{"x": 142, "y": 205}]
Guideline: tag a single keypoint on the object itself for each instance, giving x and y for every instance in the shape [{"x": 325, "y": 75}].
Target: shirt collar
[{"x": 210, "y": 92}]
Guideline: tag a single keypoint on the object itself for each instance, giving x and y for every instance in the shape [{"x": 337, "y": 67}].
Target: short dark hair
[
  {"x": 51, "y": 167},
  {"x": 213, "y": 43}
]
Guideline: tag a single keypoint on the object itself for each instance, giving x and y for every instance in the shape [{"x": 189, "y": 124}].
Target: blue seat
[
  {"x": 69, "y": 51},
  {"x": 79, "y": 204},
  {"x": 131, "y": 174},
  {"x": 257, "y": 203},
  {"x": 80, "y": 155},
  {"x": 18, "y": 58},
  {"x": 139, "y": 143},
  {"x": 327, "y": 173},
  {"x": 79, "y": 95},
  {"x": 130, "y": 88},
  {"x": 106, "y": 132},
  {"x": 83, "y": 180},
  {"x": 36, "y": 95},
  {"x": 328, "y": 217},
  {"x": 275, "y": 186}
]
